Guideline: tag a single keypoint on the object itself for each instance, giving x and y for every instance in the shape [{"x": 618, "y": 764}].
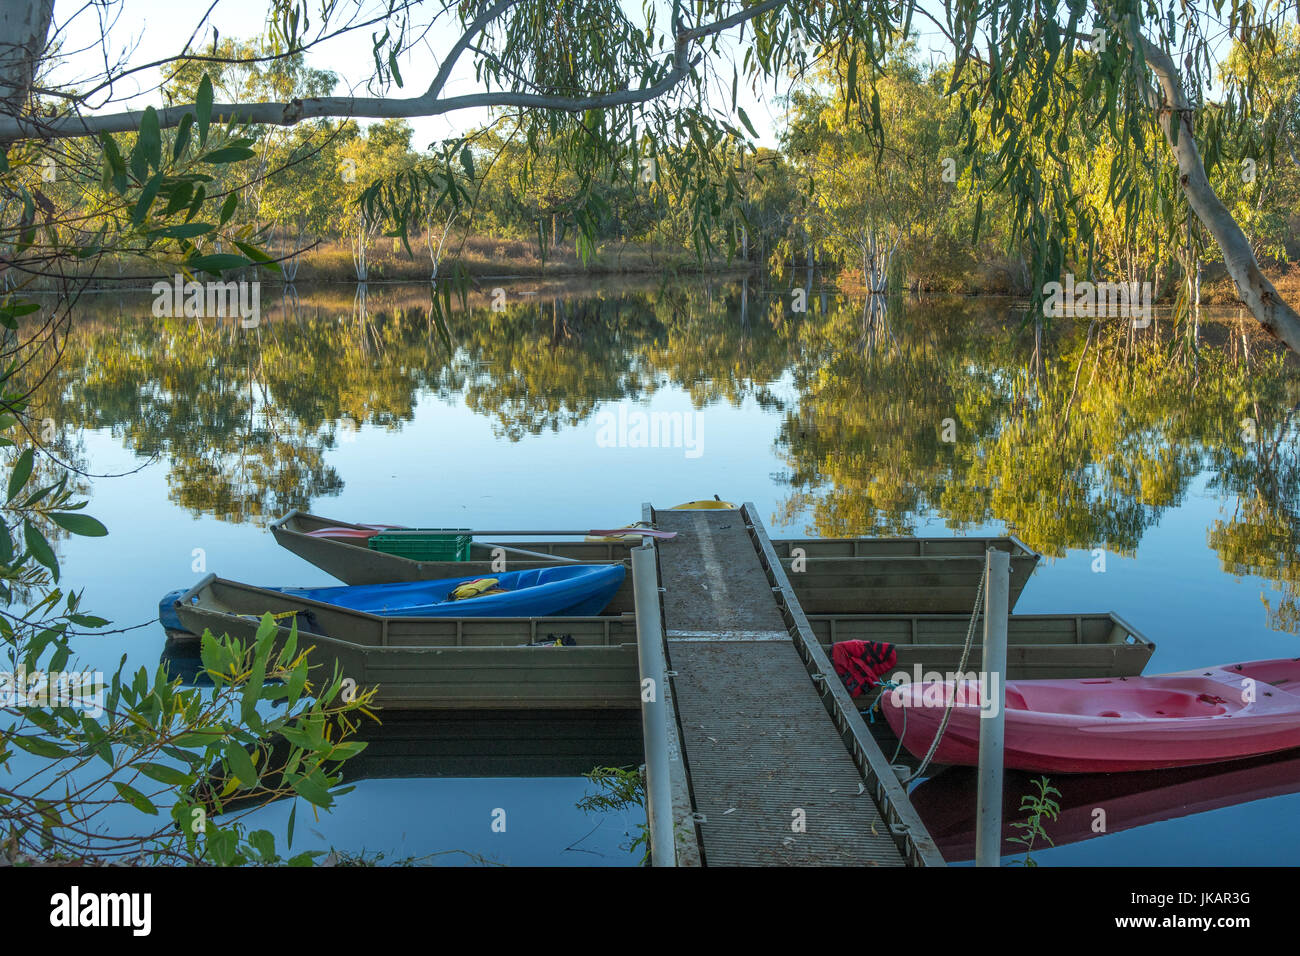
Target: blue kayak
[{"x": 573, "y": 590}]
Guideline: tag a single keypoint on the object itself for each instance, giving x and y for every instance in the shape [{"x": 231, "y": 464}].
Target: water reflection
[
  {"x": 1076, "y": 439},
  {"x": 430, "y": 784},
  {"x": 885, "y": 422},
  {"x": 1093, "y": 805},
  {"x": 904, "y": 412}
]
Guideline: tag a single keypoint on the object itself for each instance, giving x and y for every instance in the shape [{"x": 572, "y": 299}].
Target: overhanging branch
[
  {"x": 1175, "y": 115},
  {"x": 430, "y": 103}
]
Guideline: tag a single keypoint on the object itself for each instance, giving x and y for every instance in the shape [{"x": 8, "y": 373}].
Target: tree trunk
[
  {"x": 24, "y": 26},
  {"x": 1175, "y": 114}
]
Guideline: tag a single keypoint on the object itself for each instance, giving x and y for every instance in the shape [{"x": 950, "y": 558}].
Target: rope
[
  {"x": 886, "y": 686},
  {"x": 961, "y": 669}
]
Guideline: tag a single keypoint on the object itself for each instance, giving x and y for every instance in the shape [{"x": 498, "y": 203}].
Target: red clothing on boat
[{"x": 862, "y": 664}]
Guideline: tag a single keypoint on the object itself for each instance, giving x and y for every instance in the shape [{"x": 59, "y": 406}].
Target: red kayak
[{"x": 1105, "y": 725}]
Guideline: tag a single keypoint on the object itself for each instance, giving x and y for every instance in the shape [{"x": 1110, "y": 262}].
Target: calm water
[{"x": 1160, "y": 484}]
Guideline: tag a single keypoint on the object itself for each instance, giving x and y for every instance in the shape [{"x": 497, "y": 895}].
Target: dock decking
[{"x": 781, "y": 770}]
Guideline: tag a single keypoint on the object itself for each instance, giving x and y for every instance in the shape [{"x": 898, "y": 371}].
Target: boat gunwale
[
  {"x": 1018, "y": 548},
  {"x": 1139, "y": 639},
  {"x": 1016, "y": 544},
  {"x": 182, "y": 602},
  {"x": 216, "y": 607}
]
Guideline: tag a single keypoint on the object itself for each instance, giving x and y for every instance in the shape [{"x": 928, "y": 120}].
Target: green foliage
[
  {"x": 1061, "y": 163},
  {"x": 1038, "y": 807},
  {"x": 1066, "y": 466},
  {"x": 620, "y": 788},
  {"x": 875, "y": 184},
  {"x": 75, "y": 744},
  {"x": 1084, "y": 445},
  {"x": 160, "y": 199},
  {"x": 143, "y": 740},
  {"x": 1262, "y": 187}
]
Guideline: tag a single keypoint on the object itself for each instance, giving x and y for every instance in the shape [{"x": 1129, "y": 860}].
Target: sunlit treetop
[{"x": 651, "y": 91}]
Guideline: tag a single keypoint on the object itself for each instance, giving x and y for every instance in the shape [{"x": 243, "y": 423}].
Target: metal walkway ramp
[{"x": 780, "y": 767}]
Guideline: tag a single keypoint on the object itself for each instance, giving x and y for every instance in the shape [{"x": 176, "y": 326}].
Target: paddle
[
  {"x": 626, "y": 532},
  {"x": 363, "y": 534}
]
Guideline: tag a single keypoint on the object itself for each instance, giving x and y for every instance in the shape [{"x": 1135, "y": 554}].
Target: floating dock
[
  {"x": 755, "y": 752},
  {"x": 779, "y": 766}
]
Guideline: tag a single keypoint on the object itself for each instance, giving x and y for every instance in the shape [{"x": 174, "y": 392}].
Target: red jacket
[{"x": 862, "y": 664}]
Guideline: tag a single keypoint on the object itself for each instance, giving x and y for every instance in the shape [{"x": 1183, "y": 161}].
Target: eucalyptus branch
[
  {"x": 1176, "y": 114},
  {"x": 430, "y": 103}
]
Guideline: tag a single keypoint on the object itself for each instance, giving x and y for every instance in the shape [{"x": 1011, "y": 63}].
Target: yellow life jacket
[{"x": 476, "y": 588}]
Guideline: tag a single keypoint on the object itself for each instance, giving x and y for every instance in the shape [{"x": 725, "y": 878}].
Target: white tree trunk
[
  {"x": 1256, "y": 292},
  {"x": 24, "y": 26},
  {"x": 435, "y": 254}
]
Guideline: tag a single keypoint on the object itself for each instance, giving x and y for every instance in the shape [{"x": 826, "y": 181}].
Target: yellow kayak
[{"x": 716, "y": 504}]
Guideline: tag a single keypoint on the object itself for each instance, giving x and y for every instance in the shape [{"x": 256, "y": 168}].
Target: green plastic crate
[{"x": 425, "y": 544}]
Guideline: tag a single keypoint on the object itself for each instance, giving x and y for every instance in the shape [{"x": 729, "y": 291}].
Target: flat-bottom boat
[
  {"x": 431, "y": 663},
  {"x": 573, "y": 590},
  {"x": 1111, "y": 724}
]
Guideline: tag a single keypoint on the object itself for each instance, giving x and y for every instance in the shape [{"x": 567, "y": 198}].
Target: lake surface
[{"x": 1161, "y": 482}]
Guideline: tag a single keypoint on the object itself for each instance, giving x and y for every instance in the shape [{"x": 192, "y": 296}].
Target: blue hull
[
  {"x": 575, "y": 590},
  {"x": 571, "y": 590}
]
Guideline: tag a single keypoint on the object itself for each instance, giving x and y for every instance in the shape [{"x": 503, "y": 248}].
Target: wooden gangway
[{"x": 779, "y": 767}]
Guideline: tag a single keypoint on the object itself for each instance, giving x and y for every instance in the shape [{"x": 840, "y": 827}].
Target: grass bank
[{"x": 486, "y": 256}]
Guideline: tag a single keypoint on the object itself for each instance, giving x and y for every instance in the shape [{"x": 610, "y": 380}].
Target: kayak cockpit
[
  {"x": 1123, "y": 700},
  {"x": 1283, "y": 674}
]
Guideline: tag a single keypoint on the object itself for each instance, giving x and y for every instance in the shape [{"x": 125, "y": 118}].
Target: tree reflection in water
[{"x": 1074, "y": 436}]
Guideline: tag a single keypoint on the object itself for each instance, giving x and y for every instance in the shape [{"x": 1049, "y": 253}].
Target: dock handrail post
[
  {"x": 988, "y": 832},
  {"x": 654, "y": 712}
]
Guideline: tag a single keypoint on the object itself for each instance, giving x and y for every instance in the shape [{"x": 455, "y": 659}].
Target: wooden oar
[
  {"x": 363, "y": 534},
  {"x": 628, "y": 532}
]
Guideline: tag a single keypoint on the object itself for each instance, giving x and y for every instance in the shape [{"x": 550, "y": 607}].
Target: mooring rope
[{"x": 961, "y": 669}]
